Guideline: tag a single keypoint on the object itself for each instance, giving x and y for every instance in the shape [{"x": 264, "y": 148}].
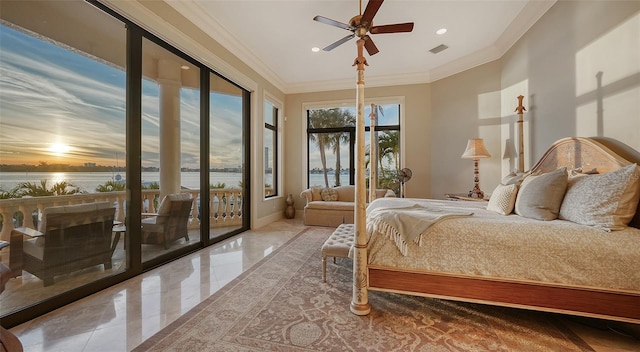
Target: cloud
[{"x": 52, "y": 95}]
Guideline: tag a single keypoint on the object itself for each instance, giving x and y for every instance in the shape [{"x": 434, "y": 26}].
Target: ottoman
[{"x": 337, "y": 245}]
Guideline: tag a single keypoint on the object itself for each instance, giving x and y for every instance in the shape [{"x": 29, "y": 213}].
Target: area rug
[{"x": 281, "y": 304}]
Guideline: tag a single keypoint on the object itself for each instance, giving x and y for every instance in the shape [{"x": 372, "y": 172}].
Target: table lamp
[{"x": 476, "y": 150}]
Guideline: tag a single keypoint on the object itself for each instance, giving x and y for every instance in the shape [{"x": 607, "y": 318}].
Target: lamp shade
[{"x": 475, "y": 149}]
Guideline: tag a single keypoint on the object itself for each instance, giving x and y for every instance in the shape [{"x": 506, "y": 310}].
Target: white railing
[{"x": 225, "y": 208}]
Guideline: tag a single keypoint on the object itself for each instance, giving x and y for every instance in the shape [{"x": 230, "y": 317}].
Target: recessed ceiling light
[
  {"x": 441, "y": 31},
  {"x": 184, "y": 67},
  {"x": 315, "y": 49}
]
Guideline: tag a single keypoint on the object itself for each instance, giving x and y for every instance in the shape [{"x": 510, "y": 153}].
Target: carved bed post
[
  {"x": 520, "y": 110},
  {"x": 373, "y": 154},
  {"x": 360, "y": 299}
]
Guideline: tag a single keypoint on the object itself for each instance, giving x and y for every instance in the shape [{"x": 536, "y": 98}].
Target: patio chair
[
  {"x": 71, "y": 237},
  {"x": 170, "y": 222}
]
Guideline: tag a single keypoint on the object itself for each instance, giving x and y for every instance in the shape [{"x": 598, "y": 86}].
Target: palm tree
[
  {"x": 389, "y": 147},
  {"x": 42, "y": 189},
  {"x": 321, "y": 119},
  {"x": 111, "y": 186},
  {"x": 340, "y": 118}
]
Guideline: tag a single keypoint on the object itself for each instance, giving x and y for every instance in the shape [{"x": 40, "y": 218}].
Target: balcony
[
  {"x": 225, "y": 215},
  {"x": 225, "y": 208}
]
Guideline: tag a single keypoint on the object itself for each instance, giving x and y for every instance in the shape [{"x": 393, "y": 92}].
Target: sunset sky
[{"x": 58, "y": 106}]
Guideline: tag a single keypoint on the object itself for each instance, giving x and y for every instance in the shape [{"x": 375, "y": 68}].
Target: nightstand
[{"x": 465, "y": 196}]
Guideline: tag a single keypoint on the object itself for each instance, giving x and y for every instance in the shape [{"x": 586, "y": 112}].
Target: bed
[{"x": 516, "y": 261}]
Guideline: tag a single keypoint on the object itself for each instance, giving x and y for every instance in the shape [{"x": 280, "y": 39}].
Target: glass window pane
[
  {"x": 270, "y": 150},
  {"x": 62, "y": 133},
  {"x": 170, "y": 151},
  {"x": 269, "y": 162},
  {"x": 328, "y": 159},
  {"x": 226, "y": 157},
  {"x": 331, "y": 138}
]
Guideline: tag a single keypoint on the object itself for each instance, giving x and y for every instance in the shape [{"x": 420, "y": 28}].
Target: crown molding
[
  {"x": 529, "y": 15},
  {"x": 208, "y": 24},
  {"x": 152, "y": 22},
  {"x": 141, "y": 15}
]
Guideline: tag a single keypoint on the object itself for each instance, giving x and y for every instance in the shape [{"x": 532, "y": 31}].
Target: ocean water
[{"x": 88, "y": 181}]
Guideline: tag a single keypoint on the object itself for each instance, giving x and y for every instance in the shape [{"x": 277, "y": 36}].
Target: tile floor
[{"x": 121, "y": 317}]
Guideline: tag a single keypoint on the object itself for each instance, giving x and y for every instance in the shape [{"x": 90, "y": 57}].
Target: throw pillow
[
  {"x": 329, "y": 194},
  {"x": 503, "y": 199},
  {"x": 316, "y": 193},
  {"x": 606, "y": 201},
  {"x": 540, "y": 196}
]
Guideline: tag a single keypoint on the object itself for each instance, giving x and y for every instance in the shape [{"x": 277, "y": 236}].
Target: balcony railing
[{"x": 225, "y": 208}]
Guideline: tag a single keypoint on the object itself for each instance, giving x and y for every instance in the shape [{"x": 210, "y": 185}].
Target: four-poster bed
[
  {"x": 492, "y": 259},
  {"x": 612, "y": 293}
]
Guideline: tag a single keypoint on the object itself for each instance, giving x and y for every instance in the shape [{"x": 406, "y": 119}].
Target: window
[
  {"x": 170, "y": 146},
  {"x": 331, "y": 145},
  {"x": 62, "y": 131},
  {"x": 95, "y": 110},
  {"x": 271, "y": 116}
]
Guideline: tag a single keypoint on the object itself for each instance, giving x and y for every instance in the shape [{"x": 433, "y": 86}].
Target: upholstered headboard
[{"x": 586, "y": 155}]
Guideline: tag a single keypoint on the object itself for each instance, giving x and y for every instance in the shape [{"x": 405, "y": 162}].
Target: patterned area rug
[{"x": 281, "y": 304}]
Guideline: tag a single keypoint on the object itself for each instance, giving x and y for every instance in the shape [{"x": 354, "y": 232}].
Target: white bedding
[{"x": 494, "y": 245}]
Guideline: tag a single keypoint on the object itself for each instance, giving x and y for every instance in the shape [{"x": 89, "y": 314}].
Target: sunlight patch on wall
[
  {"x": 618, "y": 124},
  {"x": 608, "y": 85},
  {"x": 489, "y": 105},
  {"x": 616, "y": 54}
]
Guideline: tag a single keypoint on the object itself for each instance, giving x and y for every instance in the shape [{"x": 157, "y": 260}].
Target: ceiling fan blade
[
  {"x": 370, "y": 11},
  {"x": 334, "y": 23},
  {"x": 370, "y": 46},
  {"x": 339, "y": 42},
  {"x": 392, "y": 28}
]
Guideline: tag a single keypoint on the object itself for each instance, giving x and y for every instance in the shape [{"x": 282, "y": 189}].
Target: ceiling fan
[{"x": 362, "y": 24}]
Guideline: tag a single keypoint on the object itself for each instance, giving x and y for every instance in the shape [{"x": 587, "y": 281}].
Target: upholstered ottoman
[{"x": 337, "y": 245}]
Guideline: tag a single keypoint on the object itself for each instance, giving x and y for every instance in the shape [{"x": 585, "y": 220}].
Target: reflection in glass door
[
  {"x": 226, "y": 159},
  {"x": 170, "y": 151},
  {"x": 62, "y": 146}
]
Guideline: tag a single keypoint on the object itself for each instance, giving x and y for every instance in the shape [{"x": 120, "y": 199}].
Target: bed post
[
  {"x": 520, "y": 110},
  {"x": 373, "y": 154},
  {"x": 360, "y": 299}
]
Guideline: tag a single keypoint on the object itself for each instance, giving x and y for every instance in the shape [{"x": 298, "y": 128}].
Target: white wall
[
  {"x": 464, "y": 106},
  {"x": 555, "y": 65},
  {"x": 561, "y": 56}
]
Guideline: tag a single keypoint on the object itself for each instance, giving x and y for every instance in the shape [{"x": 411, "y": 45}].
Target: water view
[{"x": 88, "y": 181}]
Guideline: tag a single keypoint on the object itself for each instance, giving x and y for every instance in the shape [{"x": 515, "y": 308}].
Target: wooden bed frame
[{"x": 574, "y": 153}]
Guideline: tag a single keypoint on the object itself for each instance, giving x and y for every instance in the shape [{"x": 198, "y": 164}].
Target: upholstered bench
[{"x": 337, "y": 245}]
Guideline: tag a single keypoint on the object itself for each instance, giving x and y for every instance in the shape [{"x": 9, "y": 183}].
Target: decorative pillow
[
  {"x": 606, "y": 201},
  {"x": 329, "y": 194},
  {"x": 540, "y": 196},
  {"x": 503, "y": 199},
  {"x": 316, "y": 193}
]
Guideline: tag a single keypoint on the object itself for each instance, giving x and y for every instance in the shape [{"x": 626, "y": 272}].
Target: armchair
[
  {"x": 170, "y": 222},
  {"x": 71, "y": 237}
]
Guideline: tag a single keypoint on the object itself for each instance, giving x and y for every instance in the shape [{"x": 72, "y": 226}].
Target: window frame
[
  {"x": 390, "y": 100},
  {"x": 276, "y": 172}
]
